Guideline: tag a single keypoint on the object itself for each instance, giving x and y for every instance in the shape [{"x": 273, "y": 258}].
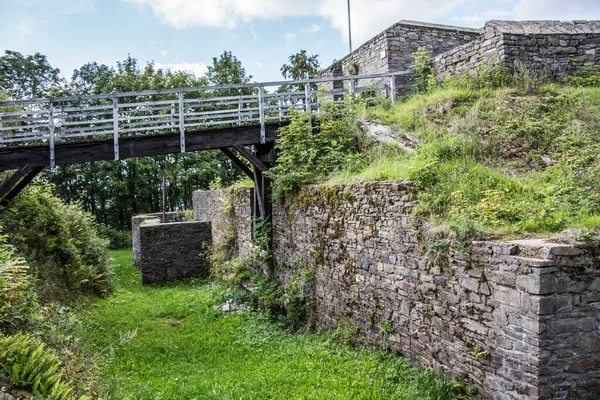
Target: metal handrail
[{"x": 59, "y": 119}]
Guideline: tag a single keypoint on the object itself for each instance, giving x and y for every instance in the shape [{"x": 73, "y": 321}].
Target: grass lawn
[{"x": 185, "y": 349}]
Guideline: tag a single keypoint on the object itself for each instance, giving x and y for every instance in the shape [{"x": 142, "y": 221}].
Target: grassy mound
[{"x": 494, "y": 161}]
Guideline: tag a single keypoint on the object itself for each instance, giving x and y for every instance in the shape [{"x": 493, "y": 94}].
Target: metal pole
[
  {"x": 116, "y": 128},
  {"x": 261, "y": 110},
  {"x": 181, "y": 125},
  {"x": 349, "y": 28},
  {"x": 51, "y": 134},
  {"x": 164, "y": 199}
]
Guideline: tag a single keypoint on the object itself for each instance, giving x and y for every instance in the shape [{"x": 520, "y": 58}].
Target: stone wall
[
  {"x": 393, "y": 49},
  {"x": 138, "y": 220},
  {"x": 552, "y": 47},
  {"x": 220, "y": 207},
  {"x": 170, "y": 251},
  {"x": 484, "y": 53},
  {"x": 519, "y": 319}
]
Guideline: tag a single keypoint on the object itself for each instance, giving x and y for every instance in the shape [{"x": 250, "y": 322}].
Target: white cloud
[
  {"x": 369, "y": 17},
  {"x": 199, "y": 69},
  {"x": 557, "y": 9},
  {"x": 258, "y": 64},
  {"x": 164, "y": 52},
  {"x": 314, "y": 28},
  {"x": 59, "y": 7},
  {"x": 290, "y": 38},
  {"x": 479, "y": 19},
  {"x": 25, "y": 28},
  {"x": 537, "y": 10}
]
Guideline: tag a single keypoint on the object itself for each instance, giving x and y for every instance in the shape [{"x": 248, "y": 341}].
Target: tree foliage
[
  {"x": 114, "y": 191},
  {"x": 309, "y": 152},
  {"x": 301, "y": 66},
  {"x": 27, "y": 76}
]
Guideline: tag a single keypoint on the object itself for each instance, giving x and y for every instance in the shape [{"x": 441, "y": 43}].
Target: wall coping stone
[{"x": 544, "y": 27}]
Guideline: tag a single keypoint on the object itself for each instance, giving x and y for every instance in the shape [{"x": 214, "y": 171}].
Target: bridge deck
[
  {"x": 134, "y": 146},
  {"x": 67, "y": 130}
]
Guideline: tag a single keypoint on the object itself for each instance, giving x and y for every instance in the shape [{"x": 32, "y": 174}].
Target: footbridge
[{"x": 240, "y": 120}]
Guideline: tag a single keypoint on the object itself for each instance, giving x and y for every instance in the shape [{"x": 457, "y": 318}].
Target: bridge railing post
[
  {"x": 393, "y": 88},
  {"x": 1, "y": 133},
  {"x": 51, "y": 134},
  {"x": 240, "y": 108},
  {"x": 307, "y": 105},
  {"x": 173, "y": 120},
  {"x": 181, "y": 124},
  {"x": 261, "y": 111},
  {"x": 115, "y": 106}
]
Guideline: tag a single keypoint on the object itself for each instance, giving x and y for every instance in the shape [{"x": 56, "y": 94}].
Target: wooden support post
[
  {"x": 393, "y": 88},
  {"x": 13, "y": 180},
  {"x": 252, "y": 158},
  {"x": 116, "y": 128},
  {"x": 181, "y": 124},
  {"x": 352, "y": 86},
  {"x": 261, "y": 108},
  {"x": 51, "y": 134},
  {"x": 17, "y": 182}
]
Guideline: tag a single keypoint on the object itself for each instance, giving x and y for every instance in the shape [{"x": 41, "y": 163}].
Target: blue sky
[{"x": 187, "y": 34}]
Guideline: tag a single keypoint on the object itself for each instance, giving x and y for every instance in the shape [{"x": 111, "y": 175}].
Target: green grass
[
  {"x": 482, "y": 166},
  {"x": 185, "y": 349}
]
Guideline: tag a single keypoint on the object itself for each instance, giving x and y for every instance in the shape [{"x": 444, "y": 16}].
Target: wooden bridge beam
[
  {"x": 239, "y": 163},
  {"x": 17, "y": 182}
]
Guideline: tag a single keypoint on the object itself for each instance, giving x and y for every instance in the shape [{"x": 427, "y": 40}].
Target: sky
[{"x": 262, "y": 34}]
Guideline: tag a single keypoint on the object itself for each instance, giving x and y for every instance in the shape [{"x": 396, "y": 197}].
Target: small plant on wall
[{"x": 423, "y": 77}]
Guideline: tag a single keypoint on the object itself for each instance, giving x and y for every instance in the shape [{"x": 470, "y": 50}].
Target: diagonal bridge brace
[
  {"x": 262, "y": 186},
  {"x": 17, "y": 182}
]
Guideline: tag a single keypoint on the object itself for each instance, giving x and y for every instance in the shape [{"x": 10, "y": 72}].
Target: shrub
[
  {"x": 60, "y": 243},
  {"x": 309, "y": 153},
  {"x": 588, "y": 77},
  {"x": 30, "y": 365},
  {"x": 117, "y": 239},
  {"x": 298, "y": 299}
]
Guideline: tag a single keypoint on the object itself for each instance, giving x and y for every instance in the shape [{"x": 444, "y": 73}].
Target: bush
[
  {"x": 31, "y": 366},
  {"x": 423, "y": 77},
  {"x": 60, "y": 243}
]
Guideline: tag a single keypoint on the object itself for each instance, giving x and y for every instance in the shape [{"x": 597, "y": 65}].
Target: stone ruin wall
[
  {"x": 393, "y": 50},
  {"x": 550, "y": 47},
  {"x": 170, "y": 251},
  {"x": 518, "y": 319},
  {"x": 483, "y": 53},
  {"x": 221, "y": 207}
]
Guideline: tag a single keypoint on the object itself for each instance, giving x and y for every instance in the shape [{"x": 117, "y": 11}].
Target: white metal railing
[{"x": 50, "y": 121}]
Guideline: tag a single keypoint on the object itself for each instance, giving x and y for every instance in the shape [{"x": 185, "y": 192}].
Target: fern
[{"x": 30, "y": 365}]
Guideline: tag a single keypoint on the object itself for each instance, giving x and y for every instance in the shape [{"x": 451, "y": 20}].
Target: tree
[
  {"x": 27, "y": 76},
  {"x": 301, "y": 67},
  {"x": 227, "y": 70},
  {"x": 114, "y": 191}
]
